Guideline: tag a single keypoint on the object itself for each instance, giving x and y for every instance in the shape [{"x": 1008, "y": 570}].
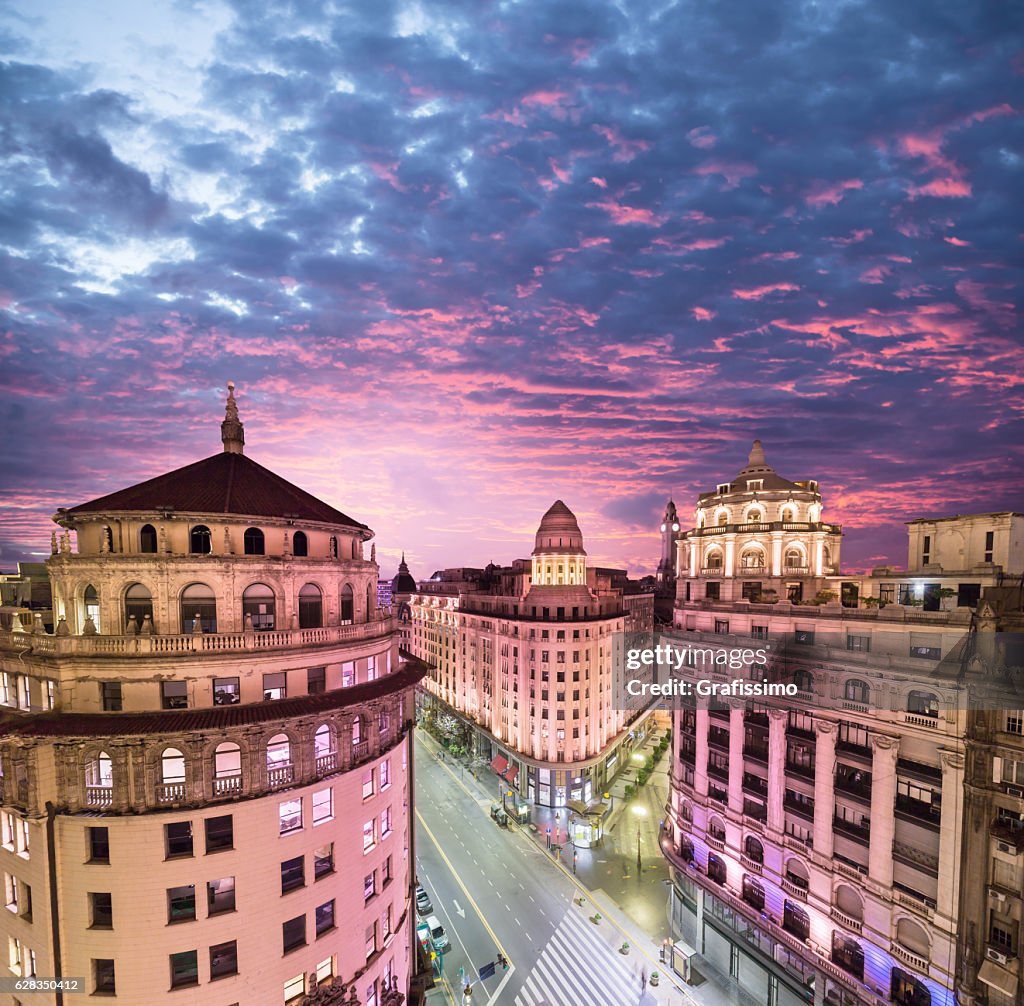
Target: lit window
[
  {"x": 385, "y": 822},
  {"x": 385, "y": 773},
  {"x": 368, "y": 784},
  {"x": 369, "y": 886},
  {"x": 323, "y": 806},
  {"x": 369, "y": 837},
  {"x": 294, "y": 987},
  {"x": 289, "y": 816},
  {"x": 325, "y": 970}
]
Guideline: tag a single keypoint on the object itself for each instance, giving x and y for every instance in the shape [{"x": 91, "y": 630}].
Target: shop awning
[
  {"x": 510, "y": 775},
  {"x": 499, "y": 764},
  {"x": 998, "y": 978}
]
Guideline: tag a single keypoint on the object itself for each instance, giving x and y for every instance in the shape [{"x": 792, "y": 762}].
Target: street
[{"x": 495, "y": 890}]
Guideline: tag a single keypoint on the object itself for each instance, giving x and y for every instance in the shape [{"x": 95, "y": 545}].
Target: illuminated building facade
[
  {"x": 206, "y": 784},
  {"x": 817, "y": 842},
  {"x": 524, "y": 656}
]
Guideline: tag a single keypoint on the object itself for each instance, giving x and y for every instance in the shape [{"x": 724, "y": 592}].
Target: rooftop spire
[
  {"x": 232, "y": 432},
  {"x": 756, "y": 459}
]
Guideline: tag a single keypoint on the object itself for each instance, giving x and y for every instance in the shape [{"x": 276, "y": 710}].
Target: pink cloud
[
  {"x": 760, "y": 292},
  {"x": 703, "y": 313},
  {"x": 543, "y": 99},
  {"x": 831, "y": 193},
  {"x": 599, "y": 182},
  {"x": 624, "y": 150},
  {"x": 702, "y": 137},
  {"x": 732, "y": 171},
  {"x": 622, "y": 214},
  {"x": 959, "y": 242}
]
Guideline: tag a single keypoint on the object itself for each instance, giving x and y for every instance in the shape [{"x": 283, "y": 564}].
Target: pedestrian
[{"x": 643, "y": 981}]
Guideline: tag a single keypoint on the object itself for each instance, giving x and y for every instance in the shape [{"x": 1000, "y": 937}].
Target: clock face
[
  {"x": 662, "y": 527},
  {"x": 675, "y": 527}
]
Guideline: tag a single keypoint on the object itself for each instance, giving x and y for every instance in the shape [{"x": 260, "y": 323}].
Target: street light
[{"x": 639, "y": 866}]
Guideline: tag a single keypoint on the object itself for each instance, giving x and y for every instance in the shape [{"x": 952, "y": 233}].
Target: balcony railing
[
  {"x": 227, "y": 785},
  {"x": 712, "y": 571},
  {"x": 326, "y": 763},
  {"x": 190, "y": 643},
  {"x": 99, "y": 796},
  {"x": 796, "y": 768},
  {"x": 799, "y": 808},
  {"x": 751, "y": 864},
  {"x": 858, "y": 832},
  {"x": 775, "y": 525},
  {"x": 719, "y": 772},
  {"x": 916, "y": 902},
  {"x": 170, "y": 792},
  {"x": 910, "y": 855},
  {"x": 795, "y": 888},
  {"x": 854, "y": 925},
  {"x": 280, "y": 775},
  {"x": 928, "y": 814},
  {"x": 715, "y": 841},
  {"x": 756, "y": 753},
  {"x": 858, "y": 790},
  {"x": 916, "y": 961}
]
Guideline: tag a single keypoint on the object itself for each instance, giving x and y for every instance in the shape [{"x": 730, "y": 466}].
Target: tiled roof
[
  {"x": 224, "y": 483},
  {"x": 176, "y": 721}
]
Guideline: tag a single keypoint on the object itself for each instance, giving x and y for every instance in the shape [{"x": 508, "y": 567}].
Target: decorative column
[
  {"x": 776, "y": 553},
  {"x": 736, "y": 757},
  {"x": 700, "y": 769},
  {"x": 730, "y": 555},
  {"x": 824, "y": 786},
  {"x": 949, "y": 833},
  {"x": 776, "y": 767},
  {"x": 883, "y": 799},
  {"x": 695, "y": 547},
  {"x": 819, "y": 554}
]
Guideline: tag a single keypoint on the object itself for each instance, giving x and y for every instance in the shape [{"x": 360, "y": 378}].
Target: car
[
  {"x": 437, "y": 934},
  {"x": 423, "y": 904}
]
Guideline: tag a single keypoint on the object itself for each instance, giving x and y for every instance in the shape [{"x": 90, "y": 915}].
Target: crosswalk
[{"x": 578, "y": 968}]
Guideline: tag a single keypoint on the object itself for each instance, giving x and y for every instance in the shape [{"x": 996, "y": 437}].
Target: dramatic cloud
[{"x": 462, "y": 259}]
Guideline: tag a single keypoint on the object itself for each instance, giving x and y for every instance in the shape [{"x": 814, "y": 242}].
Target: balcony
[
  {"x": 918, "y": 812},
  {"x": 756, "y": 753},
  {"x": 720, "y": 772},
  {"x": 280, "y": 775},
  {"x": 755, "y": 784},
  {"x": 804, "y": 771},
  {"x": 751, "y": 864},
  {"x": 858, "y": 832},
  {"x": 915, "y": 901},
  {"x": 854, "y": 925},
  {"x": 99, "y": 797},
  {"x": 859, "y": 790},
  {"x": 795, "y": 886},
  {"x": 916, "y": 961},
  {"x": 914, "y": 857},
  {"x": 800, "y": 808},
  {"x": 921, "y": 720},
  {"x": 170, "y": 792},
  {"x": 227, "y": 785},
  {"x": 849, "y": 869},
  {"x": 713, "y": 571},
  {"x": 716, "y": 841},
  {"x": 326, "y": 763}
]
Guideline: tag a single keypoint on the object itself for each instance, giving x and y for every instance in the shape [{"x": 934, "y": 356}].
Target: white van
[{"x": 437, "y": 934}]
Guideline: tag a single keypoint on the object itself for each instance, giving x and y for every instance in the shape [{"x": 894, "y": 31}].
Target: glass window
[
  {"x": 147, "y": 539},
  {"x": 385, "y": 822},
  {"x": 369, "y": 836},
  {"x": 198, "y": 609},
  {"x": 103, "y": 977},
  {"x": 223, "y": 959},
  {"x": 275, "y": 686},
  {"x": 259, "y": 606},
  {"x": 225, "y": 691},
  {"x": 323, "y": 806},
  {"x": 174, "y": 694},
  {"x": 112, "y": 696},
  {"x": 101, "y": 910},
  {"x": 316, "y": 680},
  {"x": 220, "y": 896},
  {"x": 300, "y": 544},
  {"x": 181, "y": 903},
  {"x": 200, "y": 541},
  {"x": 99, "y": 845},
  {"x": 289, "y": 814},
  {"x": 310, "y": 607},
  {"x": 219, "y": 833},
  {"x": 254, "y": 541},
  {"x": 385, "y": 773},
  {"x": 323, "y": 861},
  {"x": 324, "y": 917},
  {"x": 294, "y": 933},
  {"x": 368, "y": 783},
  {"x": 293, "y": 874},
  {"x": 184, "y": 969},
  {"x": 178, "y": 838}
]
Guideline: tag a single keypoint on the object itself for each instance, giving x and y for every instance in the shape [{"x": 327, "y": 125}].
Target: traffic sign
[{"x": 487, "y": 971}]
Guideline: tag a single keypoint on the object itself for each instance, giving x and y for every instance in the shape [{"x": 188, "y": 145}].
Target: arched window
[
  {"x": 259, "y": 602},
  {"x": 685, "y": 850},
  {"x": 687, "y": 811},
  {"x": 279, "y": 751},
  {"x": 172, "y": 766},
  {"x": 199, "y": 540},
  {"x": 384, "y": 722},
  {"x": 804, "y": 681},
  {"x": 99, "y": 771},
  {"x": 754, "y": 517},
  {"x": 754, "y": 849},
  {"x": 713, "y": 559},
  {"x": 91, "y": 601},
  {"x": 716, "y": 829},
  {"x": 794, "y": 558},
  {"x": 147, "y": 539},
  {"x": 906, "y": 990},
  {"x": 849, "y": 902},
  {"x": 752, "y": 558},
  {"x": 716, "y": 869},
  {"x": 311, "y": 607},
  {"x": 923, "y": 704},
  {"x": 796, "y": 874},
  {"x": 753, "y": 892},
  {"x": 787, "y": 515},
  {"x": 857, "y": 691},
  {"x": 358, "y": 730},
  {"x": 198, "y": 609},
  {"x": 323, "y": 741},
  {"x": 912, "y": 935},
  {"x": 254, "y": 542},
  {"x": 300, "y": 543},
  {"x": 138, "y": 603},
  {"x": 227, "y": 760},
  {"x": 848, "y": 954},
  {"x": 795, "y": 920},
  {"x": 347, "y": 604}
]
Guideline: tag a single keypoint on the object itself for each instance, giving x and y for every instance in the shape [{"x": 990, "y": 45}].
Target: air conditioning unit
[
  {"x": 1017, "y": 791},
  {"x": 1006, "y": 847},
  {"x": 996, "y": 955},
  {"x": 997, "y": 896}
]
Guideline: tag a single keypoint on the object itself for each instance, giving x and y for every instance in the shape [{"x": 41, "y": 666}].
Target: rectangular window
[
  {"x": 181, "y": 903},
  {"x": 721, "y": 626},
  {"x": 323, "y": 806},
  {"x": 324, "y": 917},
  {"x": 112, "y": 696},
  {"x": 50, "y": 694},
  {"x": 968, "y": 595},
  {"x": 385, "y": 773},
  {"x": 348, "y": 673},
  {"x": 99, "y": 845},
  {"x": 220, "y": 833},
  {"x": 369, "y": 836},
  {"x": 908, "y": 594},
  {"x": 293, "y": 933},
  {"x": 805, "y": 637},
  {"x": 926, "y": 549},
  {"x": 316, "y": 680},
  {"x": 1015, "y": 722},
  {"x": 713, "y": 590},
  {"x": 990, "y": 541},
  {"x": 759, "y": 631},
  {"x": 223, "y": 960},
  {"x": 323, "y": 861},
  {"x": 103, "y": 977},
  {"x": 371, "y": 668},
  {"x": 184, "y": 969},
  {"x": 220, "y": 896},
  {"x": 26, "y": 692},
  {"x": 368, "y": 784},
  {"x": 325, "y": 970},
  {"x": 294, "y": 987},
  {"x": 293, "y": 874},
  {"x": 386, "y": 872},
  {"x": 11, "y": 893},
  {"x": 385, "y": 924},
  {"x": 369, "y": 886},
  {"x": 385, "y": 822},
  {"x": 887, "y": 593},
  {"x": 371, "y": 940},
  {"x": 289, "y": 816},
  {"x": 225, "y": 691},
  {"x": 174, "y": 694},
  {"x": 101, "y": 910},
  {"x": 275, "y": 686},
  {"x": 751, "y": 590},
  {"x": 178, "y": 839},
  {"x": 860, "y": 643}
]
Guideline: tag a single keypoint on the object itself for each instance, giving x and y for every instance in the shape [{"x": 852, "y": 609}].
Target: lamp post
[{"x": 639, "y": 866}]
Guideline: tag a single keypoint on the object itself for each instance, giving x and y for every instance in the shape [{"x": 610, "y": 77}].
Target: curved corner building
[{"x": 206, "y": 768}]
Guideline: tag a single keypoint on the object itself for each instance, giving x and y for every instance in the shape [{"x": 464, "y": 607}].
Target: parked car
[
  {"x": 423, "y": 903},
  {"x": 437, "y": 934}
]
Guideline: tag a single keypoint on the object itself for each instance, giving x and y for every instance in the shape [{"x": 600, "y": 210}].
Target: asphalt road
[{"x": 494, "y": 890}]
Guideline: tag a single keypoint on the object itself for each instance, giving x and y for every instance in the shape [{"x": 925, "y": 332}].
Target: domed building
[
  {"x": 524, "y": 658},
  {"x": 206, "y": 784}
]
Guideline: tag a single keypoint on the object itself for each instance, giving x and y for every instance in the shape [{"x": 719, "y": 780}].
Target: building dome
[
  {"x": 403, "y": 583},
  {"x": 559, "y": 533}
]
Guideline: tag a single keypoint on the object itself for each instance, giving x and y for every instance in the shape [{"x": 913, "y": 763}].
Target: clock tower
[{"x": 669, "y": 530}]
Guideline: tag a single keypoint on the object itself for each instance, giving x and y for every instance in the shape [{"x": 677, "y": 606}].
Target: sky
[{"x": 464, "y": 258}]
